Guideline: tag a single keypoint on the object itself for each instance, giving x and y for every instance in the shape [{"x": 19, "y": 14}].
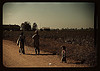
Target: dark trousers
[
  {"x": 37, "y": 50},
  {"x": 63, "y": 59},
  {"x": 21, "y": 50}
]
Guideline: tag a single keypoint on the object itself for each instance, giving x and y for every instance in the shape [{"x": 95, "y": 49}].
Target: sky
[{"x": 50, "y": 14}]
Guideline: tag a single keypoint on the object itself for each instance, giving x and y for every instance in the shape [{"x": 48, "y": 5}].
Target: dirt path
[{"x": 12, "y": 58}]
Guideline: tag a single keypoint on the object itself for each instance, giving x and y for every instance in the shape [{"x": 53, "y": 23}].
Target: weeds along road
[{"x": 12, "y": 58}]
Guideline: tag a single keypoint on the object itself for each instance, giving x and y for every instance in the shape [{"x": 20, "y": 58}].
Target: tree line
[{"x": 26, "y": 26}]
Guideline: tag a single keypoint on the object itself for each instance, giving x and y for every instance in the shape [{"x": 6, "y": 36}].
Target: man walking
[{"x": 36, "y": 42}]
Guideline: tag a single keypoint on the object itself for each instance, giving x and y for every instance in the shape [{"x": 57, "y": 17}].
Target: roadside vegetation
[{"x": 79, "y": 43}]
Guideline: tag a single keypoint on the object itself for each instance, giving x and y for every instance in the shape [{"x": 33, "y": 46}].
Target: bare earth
[{"x": 12, "y": 58}]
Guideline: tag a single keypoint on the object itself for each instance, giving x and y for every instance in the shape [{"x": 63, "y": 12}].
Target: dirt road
[{"x": 12, "y": 58}]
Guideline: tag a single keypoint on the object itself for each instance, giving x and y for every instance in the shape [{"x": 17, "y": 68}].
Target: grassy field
[{"x": 79, "y": 43}]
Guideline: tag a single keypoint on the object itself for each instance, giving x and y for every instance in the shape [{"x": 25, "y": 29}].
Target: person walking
[
  {"x": 35, "y": 37},
  {"x": 20, "y": 42}
]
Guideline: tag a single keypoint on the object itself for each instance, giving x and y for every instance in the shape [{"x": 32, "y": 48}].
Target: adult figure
[
  {"x": 20, "y": 42},
  {"x": 35, "y": 37}
]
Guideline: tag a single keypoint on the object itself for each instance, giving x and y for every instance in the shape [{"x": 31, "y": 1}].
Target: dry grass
[{"x": 80, "y": 49}]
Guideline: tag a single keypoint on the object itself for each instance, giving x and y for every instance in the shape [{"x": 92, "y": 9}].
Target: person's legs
[
  {"x": 65, "y": 59},
  {"x": 38, "y": 50},
  {"x": 35, "y": 51},
  {"x": 23, "y": 51},
  {"x": 62, "y": 59},
  {"x": 19, "y": 50}
]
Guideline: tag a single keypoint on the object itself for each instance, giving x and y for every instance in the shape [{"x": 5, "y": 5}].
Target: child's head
[{"x": 63, "y": 47}]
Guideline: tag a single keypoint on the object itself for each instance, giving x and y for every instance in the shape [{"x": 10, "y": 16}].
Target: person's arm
[
  {"x": 18, "y": 40},
  {"x": 33, "y": 36}
]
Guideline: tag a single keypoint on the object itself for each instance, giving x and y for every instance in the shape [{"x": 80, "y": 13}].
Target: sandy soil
[{"x": 12, "y": 58}]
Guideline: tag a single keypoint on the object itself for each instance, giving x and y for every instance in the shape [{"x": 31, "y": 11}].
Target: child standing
[{"x": 63, "y": 54}]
